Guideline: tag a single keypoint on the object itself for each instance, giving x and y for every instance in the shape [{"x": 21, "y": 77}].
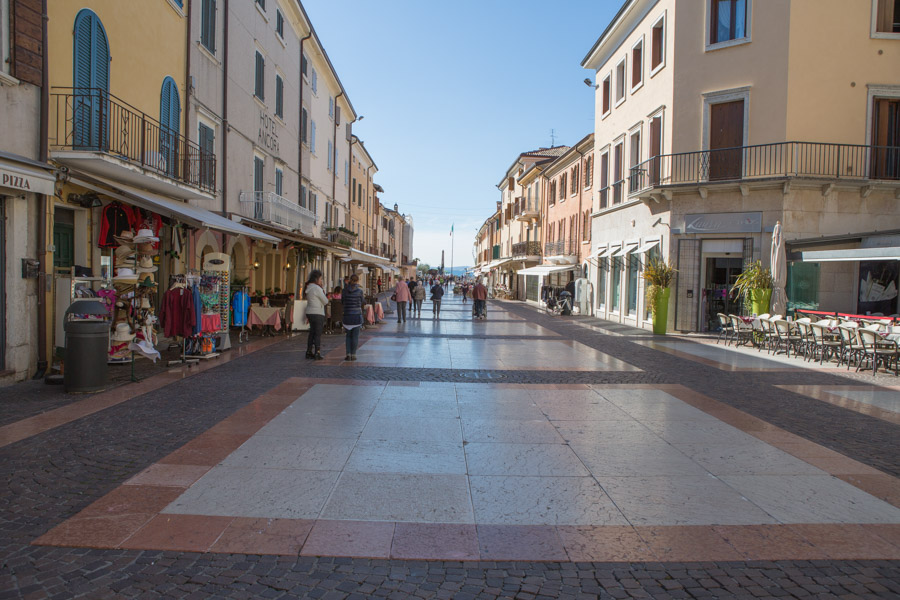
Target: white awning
[
  {"x": 358, "y": 256},
  {"x": 25, "y": 175},
  {"x": 603, "y": 252},
  {"x": 856, "y": 254},
  {"x": 626, "y": 249},
  {"x": 545, "y": 269},
  {"x": 498, "y": 263},
  {"x": 647, "y": 246},
  {"x": 173, "y": 209}
]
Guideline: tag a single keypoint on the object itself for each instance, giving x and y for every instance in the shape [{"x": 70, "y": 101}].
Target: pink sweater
[{"x": 402, "y": 292}]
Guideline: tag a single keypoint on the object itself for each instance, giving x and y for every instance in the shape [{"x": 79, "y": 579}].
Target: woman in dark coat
[{"x": 353, "y": 300}]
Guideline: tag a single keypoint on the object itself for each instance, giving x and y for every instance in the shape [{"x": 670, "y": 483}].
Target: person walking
[
  {"x": 411, "y": 283},
  {"x": 379, "y": 285},
  {"x": 401, "y": 297},
  {"x": 353, "y": 300},
  {"x": 418, "y": 299},
  {"x": 437, "y": 292},
  {"x": 465, "y": 292},
  {"x": 479, "y": 296},
  {"x": 315, "y": 313}
]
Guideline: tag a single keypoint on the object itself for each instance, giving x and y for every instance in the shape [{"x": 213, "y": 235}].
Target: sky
[{"x": 452, "y": 93}]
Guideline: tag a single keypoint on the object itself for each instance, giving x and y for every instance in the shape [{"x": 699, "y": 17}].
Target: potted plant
[
  {"x": 659, "y": 276},
  {"x": 755, "y": 285}
]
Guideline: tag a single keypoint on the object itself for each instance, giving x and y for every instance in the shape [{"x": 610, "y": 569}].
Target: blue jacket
[{"x": 353, "y": 300}]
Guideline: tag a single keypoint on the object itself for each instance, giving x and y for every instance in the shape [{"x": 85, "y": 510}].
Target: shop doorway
[
  {"x": 721, "y": 273},
  {"x": 63, "y": 239}
]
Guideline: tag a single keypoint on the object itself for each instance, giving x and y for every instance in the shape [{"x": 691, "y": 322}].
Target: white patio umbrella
[{"x": 778, "y": 261}]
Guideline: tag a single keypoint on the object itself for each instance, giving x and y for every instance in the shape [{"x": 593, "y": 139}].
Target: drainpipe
[
  {"x": 300, "y": 162},
  {"x": 43, "y": 203},
  {"x": 187, "y": 84},
  {"x": 334, "y": 147},
  {"x": 580, "y": 194},
  {"x": 223, "y": 162}
]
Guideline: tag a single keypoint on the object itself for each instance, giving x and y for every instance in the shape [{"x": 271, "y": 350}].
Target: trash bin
[
  {"x": 87, "y": 343},
  {"x": 565, "y": 300}
]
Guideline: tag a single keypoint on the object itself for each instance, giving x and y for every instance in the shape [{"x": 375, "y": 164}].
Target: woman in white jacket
[{"x": 315, "y": 313}]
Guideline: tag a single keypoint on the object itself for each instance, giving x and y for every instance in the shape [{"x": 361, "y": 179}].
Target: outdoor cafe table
[{"x": 264, "y": 316}]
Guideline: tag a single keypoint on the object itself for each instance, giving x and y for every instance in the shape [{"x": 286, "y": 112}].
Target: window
[
  {"x": 330, "y": 107},
  {"x": 562, "y": 186},
  {"x": 886, "y": 16},
  {"x": 170, "y": 124},
  {"x": 602, "y": 269},
  {"x": 652, "y": 255},
  {"x": 620, "y": 82},
  {"x": 261, "y": 4},
  {"x": 312, "y": 136},
  {"x": 303, "y": 193},
  {"x": 353, "y": 197},
  {"x": 604, "y": 179},
  {"x": 314, "y": 82},
  {"x": 304, "y": 119},
  {"x": 313, "y": 203},
  {"x": 279, "y": 182},
  {"x": 91, "y": 70},
  {"x": 304, "y": 65},
  {"x": 586, "y": 226},
  {"x": 607, "y": 85},
  {"x": 279, "y": 23},
  {"x": 618, "y": 171},
  {"x": 727, "y": 20},
  {"x": 259, "y": 87},
  {"x": 634, "y": 182},
  {"x": 552, "y": 198},
  {"x": 259, "y": 165},
  {"x": 346, "y": 173},
  {"x": 633, "y": 267},
  {"x": 658, "y": 45},
  {"x": 573, "y": 185},
  {"x": 616, "y": 283},
  {"x": 359, "y": 194},
  {"x": 279, "y": 97},
  {"x": 208, "y": 25},
  {"x": 588, "y": 172},
  {"x": 207, "y": 143},
  {"x": 637, "y": 65},
  {"x": 330, "y": 155}
]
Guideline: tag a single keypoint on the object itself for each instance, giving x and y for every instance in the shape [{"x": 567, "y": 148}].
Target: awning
[
  {"x": 647, "y": 246},
  {"x": 288, "y": 236},
  {"x": 599, "y": 253},
  {"x": 546, "y": 269},
  {"x": 358, "y": 256},
  {"x": 179, "y": 211},
  {"x": 626, "y": 249},
  {"x": 25, "y": 175},
  {"x": 856, "y": 254}
]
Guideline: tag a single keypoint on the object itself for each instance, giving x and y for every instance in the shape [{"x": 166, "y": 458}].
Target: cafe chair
[
  {"x": 725, "y": 327},
  {"x": 876, "y": 350},
  {"x": 824, "y": 344},
  {"x": 743, "y": 332},
  {"x": 787, "y": 337}
]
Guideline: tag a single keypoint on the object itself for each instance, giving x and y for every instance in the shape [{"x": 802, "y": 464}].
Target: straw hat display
[
  {"x": 146, "y": 265},
  {"x": 147, "y": 282},
  {"x": 124, "y": 251},
  {"x": 122, "y": 333},
  {"x": 145, "y": 235},
  {"x": 147, "y": 249},
  {"x": 125, "y": 275},
  {"x": 126, "y": 237}
]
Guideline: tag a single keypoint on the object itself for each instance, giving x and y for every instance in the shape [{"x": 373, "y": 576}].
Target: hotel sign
[
  {"x": 36, "y": 182},
  {"x": 268, "y": 133},
  {"x": 750, "y": 222}
]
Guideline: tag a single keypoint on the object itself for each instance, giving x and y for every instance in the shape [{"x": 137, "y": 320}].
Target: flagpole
[{"x": 451, "y": 251}]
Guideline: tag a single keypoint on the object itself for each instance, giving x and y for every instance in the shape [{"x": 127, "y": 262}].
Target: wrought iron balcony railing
[
  {"x": 785, "y": 159},
  {"x": 526, "y": 249},
  {"x": 93, "y": 120},
  {"x": 272, "y": 208},
  {"x": 561, "y": 247}
]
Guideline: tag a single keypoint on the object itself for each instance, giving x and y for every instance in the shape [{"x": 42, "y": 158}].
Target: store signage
[
  {"x": 26, "y": 183},
  {"x": 723, "y": 223},
  {"x": 268, "y": 132}
]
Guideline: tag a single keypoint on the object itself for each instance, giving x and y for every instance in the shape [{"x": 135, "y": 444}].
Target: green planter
[
  {"x": 661, "y": 312},
  {"x": 759, "y": 301}
]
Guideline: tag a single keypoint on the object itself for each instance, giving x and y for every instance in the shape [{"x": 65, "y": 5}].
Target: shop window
[
  {"x": 616, "y": 283},
  {"x": 634, "y": 266},
  {"x": 802, "y": 288},
  {"x": 651, "y": 255},
  {"x": 602, "y": 271}
]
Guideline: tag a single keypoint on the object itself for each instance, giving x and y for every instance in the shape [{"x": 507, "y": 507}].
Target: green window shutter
[
  {"x": 208, "y": 25},
  {"x": 259, "y": 88}
]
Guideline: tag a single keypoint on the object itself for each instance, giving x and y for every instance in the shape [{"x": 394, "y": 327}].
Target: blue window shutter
[
  {"x": 170, "y": 106},
  {"x": 312, "y": 137},
  {"x": 91, "y": 80}
]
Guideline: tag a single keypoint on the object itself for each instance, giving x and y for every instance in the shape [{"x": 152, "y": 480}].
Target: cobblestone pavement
[{"x": 54, "y": 475}]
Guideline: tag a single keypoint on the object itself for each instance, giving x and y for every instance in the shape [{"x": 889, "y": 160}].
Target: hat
[
  {"x": 122, "y": 333},
  {"x": 126, "y": 237},
  {"x": 147, "y": 282},
  {"x": 125, "y": 275},
  {"x": 146, "y": 265},
  {"x": 145, "y": 235},
  {"x": 124, "y": 250},
  {"x": 147, "y": 249}
]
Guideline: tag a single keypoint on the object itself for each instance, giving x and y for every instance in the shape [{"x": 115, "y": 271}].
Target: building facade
[{"x": 709, "y": 131}]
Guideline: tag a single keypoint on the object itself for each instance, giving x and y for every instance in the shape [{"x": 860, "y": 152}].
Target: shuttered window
[
  {"x": 279, "y": 182},
  {"x": 279, "y": 97},
  {"x": 91, "y": 81},
  {"x": 207, "y": 156},
  {"x": 304, "y": 65},
  {"x": 258, "y": 172},
  {"x": 304, "y": 118},
  {"x": 279, "y": 23},
  {"x": 314, "y": 83},
  {"x": 170, "y": 123},
  {"x": 312, "y": 136},
  {"x": 330, "y": 155},
  {"x": 208, "y": 25},
  {"x": 259, "y": 87}
]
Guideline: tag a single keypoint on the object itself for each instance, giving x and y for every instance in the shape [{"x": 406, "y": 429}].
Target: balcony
[
  {"x": 338, "y": 235},
  {"x": 272, "y": 208},
  {"x": 527, "y": 211},
  {"x": 561, "y": 251},
  {"x": 527, "y": 250},
  {"x": 809, "y": 160},
  {"x": 96, "y": 132}
]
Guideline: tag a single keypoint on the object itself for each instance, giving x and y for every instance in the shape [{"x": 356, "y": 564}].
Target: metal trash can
[{"x": 87, "y": 344}]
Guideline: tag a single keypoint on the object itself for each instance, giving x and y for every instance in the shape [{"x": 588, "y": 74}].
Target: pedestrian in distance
[
  {"x": 315, "y": 314},
  {"x": 412, "y": 284},
  {"x": 379, "y": 285},
  {"x": 353, "y": 300},
  {"x": 479, "y": 297},
  {"x": 437, "y": 292},
  {"x": 465, "y": 292},
  {"x": 401, "y": 297},
  {"x": 418, "y": 298}
]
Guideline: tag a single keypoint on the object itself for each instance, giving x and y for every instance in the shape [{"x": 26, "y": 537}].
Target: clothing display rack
[{"x": 213, "y": 327}]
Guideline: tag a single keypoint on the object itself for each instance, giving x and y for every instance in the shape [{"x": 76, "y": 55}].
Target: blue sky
[{"x": 453, "y": 91}]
